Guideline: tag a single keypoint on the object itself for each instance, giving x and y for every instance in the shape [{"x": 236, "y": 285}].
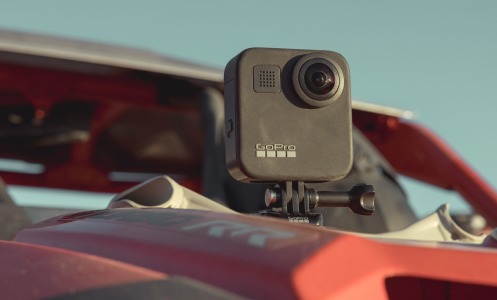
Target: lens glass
[{"x": 319, "y": 79}]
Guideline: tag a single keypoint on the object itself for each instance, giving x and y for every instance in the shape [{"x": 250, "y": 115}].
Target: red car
[{"x": 90, "y": 117}]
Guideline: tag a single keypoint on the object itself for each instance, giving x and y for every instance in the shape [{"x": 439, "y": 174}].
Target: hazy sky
[{"x": 436, "y": 58}]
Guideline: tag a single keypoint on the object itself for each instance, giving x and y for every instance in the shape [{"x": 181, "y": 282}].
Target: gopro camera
[{"x": 288, "y": 116}]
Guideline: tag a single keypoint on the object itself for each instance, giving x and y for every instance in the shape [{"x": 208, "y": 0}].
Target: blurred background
[{"x": 436, "y": 59}]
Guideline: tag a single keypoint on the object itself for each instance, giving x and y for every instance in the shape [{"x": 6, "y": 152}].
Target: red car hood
[{"x": 258, "y": 257}]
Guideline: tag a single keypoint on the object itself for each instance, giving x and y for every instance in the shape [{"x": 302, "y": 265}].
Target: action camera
[{"x": 288, "y": 116}]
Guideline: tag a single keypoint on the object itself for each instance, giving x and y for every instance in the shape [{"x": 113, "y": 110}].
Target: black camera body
[{"x": 288, "y": 116}]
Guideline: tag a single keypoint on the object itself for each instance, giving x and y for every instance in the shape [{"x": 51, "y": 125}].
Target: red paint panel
[
  {"x": 293, "y": 261},
  {"x": 35, "y": 272},
  {"x": 352, "y": 267},
  {"x": 251, "y": 256}
]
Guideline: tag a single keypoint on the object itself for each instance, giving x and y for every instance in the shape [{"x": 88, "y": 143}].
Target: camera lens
[{"x": 319, "y": 79}]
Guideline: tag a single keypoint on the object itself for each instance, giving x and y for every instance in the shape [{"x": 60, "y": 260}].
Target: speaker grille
[{"x": 267, "y": 79}]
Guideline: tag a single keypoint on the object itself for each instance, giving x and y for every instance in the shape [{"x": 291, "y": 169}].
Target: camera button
[{"x": 229, "y": 128}]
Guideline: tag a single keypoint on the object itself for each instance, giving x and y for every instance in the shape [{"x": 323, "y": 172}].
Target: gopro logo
[
  {"x": 275, "y": 150},
  {"x": 298, "y": 219}
]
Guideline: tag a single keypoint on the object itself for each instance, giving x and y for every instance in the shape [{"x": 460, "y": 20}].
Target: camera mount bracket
[{"x": 293, "y": 200}]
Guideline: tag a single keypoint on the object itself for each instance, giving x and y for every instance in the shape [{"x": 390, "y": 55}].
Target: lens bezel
[{"x": 311, "y": 98}]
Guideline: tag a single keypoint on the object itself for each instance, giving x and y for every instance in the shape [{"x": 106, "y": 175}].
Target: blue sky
[{"x": 436, "y": 58}]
